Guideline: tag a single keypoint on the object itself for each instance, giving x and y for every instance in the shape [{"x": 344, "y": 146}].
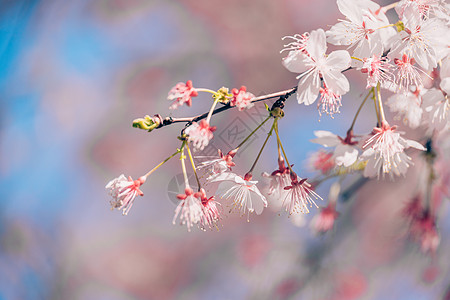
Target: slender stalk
[
  {"x": 376, "y": 106},
  {"x": 380, "y": 103},
  {"x": 183, "y": 165},
  {"x": 281, "y": 146},
  {"x": 273, "y": 95},
  {"x": 208, "y": 118},
  {"x": 262, "y": 148},
  {"x": 161, "y": 163},
  {"x": 205, "y": 90},
  {"x": 256, "y": 129},
  {"x": 359, "y": 109},
  {"x": 193, "y": 165},
  {"x": 390, "y": 25},
  {"x": 356, "y": 58}
]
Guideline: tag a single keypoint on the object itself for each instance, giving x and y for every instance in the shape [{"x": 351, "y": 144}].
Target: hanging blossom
[
  {"x": 124, "y": 191},
  {"x": 217, "y": 166},
  {"x": 345, "y": 152},
  {"x": 313, "y": 64},
  {"x": 279, "y": 179},
  {"x": 329, "y": 102},
  {"x": 324, "y": 221},
  {"x": 200, "y": 134},
  {"x": 361, "y": 29},
  {"x": 242, "y": 99},
  {"x": 299, "y": 196},
  {"x": 407, "y": 73},
  {"x": 241, "y": 192},
  {"x": 189, "y": 209},
  {"x": 182, "y": 93},
  {"x": 211, "y": 210},
  {"x": 378, "y": 70},
  {"x": 408, "y": 107},
  {"x": 385, "y": 152},
  {"x": 422, "y": 39}
]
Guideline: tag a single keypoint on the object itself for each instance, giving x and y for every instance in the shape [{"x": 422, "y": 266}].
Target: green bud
[
  {"x": 146, "y": 123},
  {"x": 277, "y": 112}
]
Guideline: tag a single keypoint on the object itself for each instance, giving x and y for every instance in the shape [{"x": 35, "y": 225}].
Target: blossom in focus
[
  {"x": 407, "y": 74},
  {"x": 384, "y": 152},
  {"x": 124, "y": 191},
  {"x": 218, "y": 165},
  {"x": 378, "y": 70},
  {"x": 199, "y": 134},
  {"x": 329, "y": 102},
  {"x": 189, "y": 209},
  {"x": 279, "y": 179},
  {"x": 182, "y": 93},
  {"x": 345, "y": 154},
  {"x": 242, "y": 99},
  {"x": 423, "y": 7},
  {"x": 407, "y": 105},
  {"x": 313, "y": 64},
  {"x": 361, "y": 29},
  {"x": 299, "y": 196},
  {"x": 243, "y": 193},
  {"x": 422, "y": 39},
  {"x": 211, "y": 210}
]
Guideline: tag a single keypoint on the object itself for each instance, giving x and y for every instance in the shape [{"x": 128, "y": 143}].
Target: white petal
[
  {"x": 414, "y": 144},
  {"x": 295, "y": 62},
  {"x": 336, "y": 81},
  {"x": 308, "y": 88},
  {"x": 317, "y": 44},
  {"x": 445, "y": 85},
  {"x": 326, "y": 138},
  {"x": 338, "y": 60}
]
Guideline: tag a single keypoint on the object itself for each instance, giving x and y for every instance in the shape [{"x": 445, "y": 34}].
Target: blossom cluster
[{"x": 405, "y": 64}]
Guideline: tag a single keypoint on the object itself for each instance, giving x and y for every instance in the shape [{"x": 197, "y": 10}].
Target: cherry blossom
[
  {"x": 211, "y": 210},
  {"x": 279, "y": 179},
  {"x": 385, "y": 152},
  {"x": 182, "y": 93},
  {"x": 329, "y": 102},
  {"x": 421, "y": 39},
  {"x": 361, "y": 29},
  {"x": 199, "y": 134},
  {"x": 345, "y": 152},
  {"x": 189, "y": 209},
  {"x": 423, "y": 230},
  {"x": 316, "y": 65},
  {"x": 322, "y": 161},
  {"x": 324, "y": 221},
  {"x": 408, "y": 107},
  {"x": 242, "y": 98},
  {"x": 407, "y": 73},
  {"x": 299, "y": 196},
  {"x": 243, "y": 193},
  {"x": 124, "y": 191},
  {"x": 218, "y": 165},
  {"x": 378, "y": 70}
]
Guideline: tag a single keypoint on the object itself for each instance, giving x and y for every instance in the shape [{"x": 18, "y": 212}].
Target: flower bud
[
  {"x": 222, "y": 95},
  {"x": 146, "y": 123}
]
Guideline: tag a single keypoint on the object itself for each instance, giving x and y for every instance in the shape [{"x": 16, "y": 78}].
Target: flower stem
[
  {"x": 193, "y": 165},
  {"x": 205, "y": 90},
  {"x": 183, "y": 165},
  {"x": 161, "y": 163},
  {"x": 256, "y": 129},
  {"x": 380, "y": 104},
  {"x": 281, "y": 146},
  {"x": 262, "y": 148},
  {"x": 390, "y": 25},
  {"x": 359, "y": 110},
  {"x": 356, "y": 58},
  {"x": 208, "y": 118},
  {"x": 376, "y": 106}
]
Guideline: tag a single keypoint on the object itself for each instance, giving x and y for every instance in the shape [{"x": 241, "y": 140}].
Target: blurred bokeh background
[{"x": 74, "y": 74}]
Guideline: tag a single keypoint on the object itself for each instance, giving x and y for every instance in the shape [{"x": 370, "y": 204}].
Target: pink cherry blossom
[
  {"x": 243, "y": 193},
  {"x": 324, "y": 221},
  {"x": 423, "y": 230},
  {"x": 190, "y": 209},
  {"x": 199, "y": 134},
  {"x": 407, "y": 73},
  {"x": 385, "y": 152},
  {"x": 345, "y": 152},
  {"x": 378, "y": 70},
  {"x": 299, "y": 196},
  {"x": 182, "y": 93},
  {"x": 124, "y": 191},
  {"x": 279, "y": 179},
  {"x": 322, "y": 161},
  {"x": 212, "y": 210},
  {"x": 242, "y": 98},
  {"x": 316, "y": 65},
  {"x": 329, "y": 102}
]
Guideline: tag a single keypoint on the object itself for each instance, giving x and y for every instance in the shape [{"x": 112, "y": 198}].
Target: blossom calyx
[{"x": 222, "y": 95}]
